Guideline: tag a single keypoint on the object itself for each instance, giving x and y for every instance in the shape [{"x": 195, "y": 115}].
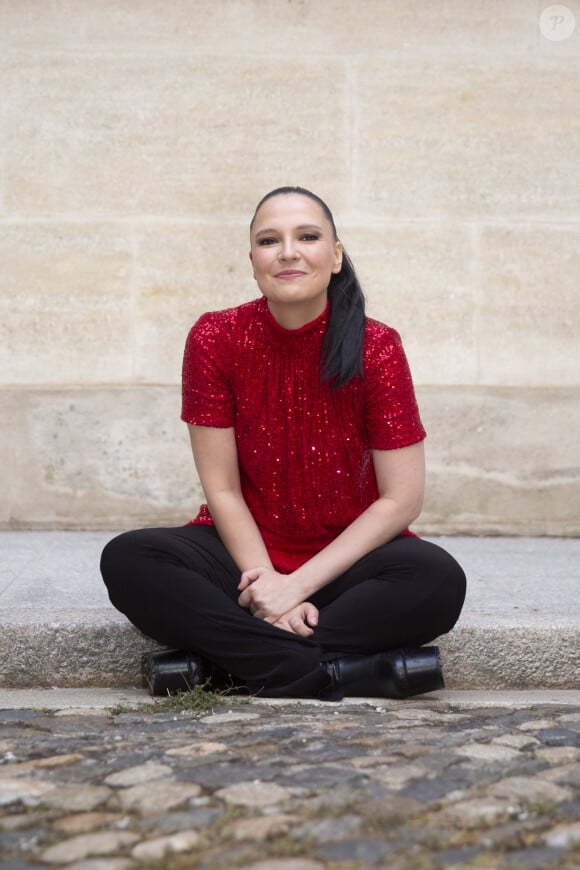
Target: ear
[
  {"x": 337, "y": 266},
  {"x": 252, "y": 262}
]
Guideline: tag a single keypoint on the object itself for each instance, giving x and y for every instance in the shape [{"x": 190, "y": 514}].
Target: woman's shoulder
[
  {"x": 378, "y": 336},
  {"x": 382, "y": 350},
  {"x": 224, "y": 321}
]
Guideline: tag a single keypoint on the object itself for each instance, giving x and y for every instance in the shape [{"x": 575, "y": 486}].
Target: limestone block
[
  {"x": 183, "y": 271},
  {"x": 499, "y": 461},
  {"x": 251, "y": 26},
  {"x": 467, "y": 139},
  {"x": 529, "y": 312},
  {"x": 65, "y": 303},
  {"x": 418, "y": 279},
  {"x": 502, "y": 461},
  {"x": 125, "y": 134},
  {"x": 99, "y": 458}
]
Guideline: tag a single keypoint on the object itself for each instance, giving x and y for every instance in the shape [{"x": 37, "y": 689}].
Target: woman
[{"x": 299, "y": 577}]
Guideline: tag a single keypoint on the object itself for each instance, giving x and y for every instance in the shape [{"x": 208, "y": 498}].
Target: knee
[
  {"x": 117, "y": 556},
  {"x": 454, "y": 589},
  {"x": 456, "y": 578}
]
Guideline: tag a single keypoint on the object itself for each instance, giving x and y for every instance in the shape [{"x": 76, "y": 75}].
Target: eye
[
  {"x": 267, "y": 240},
  {"x": 309, "y": 237}
]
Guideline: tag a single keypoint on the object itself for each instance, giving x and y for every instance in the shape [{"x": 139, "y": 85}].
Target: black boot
[
  {"x": 398, "y": 673},
  {"x": 172, "y": 671}
]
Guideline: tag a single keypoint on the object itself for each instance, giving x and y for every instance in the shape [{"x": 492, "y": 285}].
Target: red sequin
[{"x": 304, "y": 450}]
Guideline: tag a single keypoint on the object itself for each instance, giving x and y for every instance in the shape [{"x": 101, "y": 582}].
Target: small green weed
[{"x": 198, "y": 699}]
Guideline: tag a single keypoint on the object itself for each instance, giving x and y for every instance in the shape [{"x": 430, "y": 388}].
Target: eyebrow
[{"x": 302, "y": 227}]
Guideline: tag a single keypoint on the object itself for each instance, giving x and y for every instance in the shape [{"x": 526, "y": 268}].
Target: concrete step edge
[
  {"x": 93, "y": 699},
  {"x": 108, "y": 654}
]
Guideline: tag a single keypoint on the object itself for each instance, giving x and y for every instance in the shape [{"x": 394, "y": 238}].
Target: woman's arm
[
  {"x": 216, "y": 459},
  {"x": 401, "y": 478}
]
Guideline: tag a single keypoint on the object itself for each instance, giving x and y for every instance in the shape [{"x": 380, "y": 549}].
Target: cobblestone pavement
[{"x": 414, "y": 785}]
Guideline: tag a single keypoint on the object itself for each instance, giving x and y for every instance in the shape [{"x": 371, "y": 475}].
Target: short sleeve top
[{"x": 304, "y": 449}]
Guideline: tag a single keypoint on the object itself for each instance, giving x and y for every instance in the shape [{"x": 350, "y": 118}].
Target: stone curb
[
  {"x": 94, "y": 699},
  {"x": 96, "y": 649}
]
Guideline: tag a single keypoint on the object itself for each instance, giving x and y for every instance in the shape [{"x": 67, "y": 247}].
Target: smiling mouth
[{"x": 290, "y": 274}]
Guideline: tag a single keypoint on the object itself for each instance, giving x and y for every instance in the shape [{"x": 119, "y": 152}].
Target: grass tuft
[{"x": 198, "y": 699}]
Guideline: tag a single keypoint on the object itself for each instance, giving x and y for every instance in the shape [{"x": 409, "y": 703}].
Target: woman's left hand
[
  {"x": 301, "y": 620},
  {"x": 268, "y": 594}
]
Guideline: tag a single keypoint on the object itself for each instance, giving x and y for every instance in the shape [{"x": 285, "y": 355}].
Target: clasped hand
[{"x": 269, "y": 595}]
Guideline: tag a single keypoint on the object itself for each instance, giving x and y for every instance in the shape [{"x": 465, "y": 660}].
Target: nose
[{"x": 288, "y": 249}]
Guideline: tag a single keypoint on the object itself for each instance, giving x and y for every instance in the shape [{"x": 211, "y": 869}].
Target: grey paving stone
[
  {"x": 323, "y": 776},
  {"x": 214, "y": 776},
  {"x": 286, "y": 864},
  {"x": 529, "y": 789},
  {"x": 327, "y": 830},
  {"x": 534, "y": 858},
  {"x": 87, "y": 845},
  {"x": 21, "y": 790},
  {"x": 563, "y": 836},
  {"x": 450, "y": 857},
  {"x": 240, "y": 855},
  {"x": 102, "y": 864},
  {"x": 147, "y": 772},
  {"x": 558, "y": 737},
  {"x": 77, "y": 798},
  {"x": 19, "y": 715},
  {"x": 570, "y": 720},
  {"x": 22, "y": 841},
  {"x": 159, "y": 848},
  {"x": 502, "y": 836},
  {"x": 253, "y": 794},
  {"x": 169, "y": 823},
  {"x": 18, "y": 865},
  {"x": 430, "y": 790},
  {"x": 145, "y": 799},
  {"x": 369, "y": 851},
  {"x": 569, "y": 810}
]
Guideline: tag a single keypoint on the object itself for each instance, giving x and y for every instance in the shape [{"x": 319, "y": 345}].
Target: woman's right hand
[
  {"x": 301, "y": 620},
  {"x": 268, "y": 594}
]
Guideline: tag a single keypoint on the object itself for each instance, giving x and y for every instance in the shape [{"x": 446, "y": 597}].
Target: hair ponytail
[{"x": 342, "y": 348}]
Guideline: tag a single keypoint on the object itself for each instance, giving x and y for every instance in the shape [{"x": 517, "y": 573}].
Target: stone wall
[{"x": 136, "y": 137}]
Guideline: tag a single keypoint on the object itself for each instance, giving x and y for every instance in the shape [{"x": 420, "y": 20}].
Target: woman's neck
[{"x": 295, "y": 315}]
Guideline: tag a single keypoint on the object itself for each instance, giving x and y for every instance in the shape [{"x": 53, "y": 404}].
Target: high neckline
[{"x": 291, "y": 337}]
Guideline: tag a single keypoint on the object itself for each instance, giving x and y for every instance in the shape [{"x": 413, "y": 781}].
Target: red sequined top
[{"x": 304, "y": 450}]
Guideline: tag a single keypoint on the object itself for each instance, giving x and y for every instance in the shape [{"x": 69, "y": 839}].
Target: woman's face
[{"x": 294, "y": 253}]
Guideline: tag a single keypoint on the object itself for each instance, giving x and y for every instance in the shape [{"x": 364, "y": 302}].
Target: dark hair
[{"x": 342, "y": 348}]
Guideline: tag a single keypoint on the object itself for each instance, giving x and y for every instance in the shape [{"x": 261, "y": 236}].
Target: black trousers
[{"x": 179, "y": 586}]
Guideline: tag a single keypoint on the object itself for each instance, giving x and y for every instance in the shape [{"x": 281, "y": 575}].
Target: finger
[
  {"x": 244, "y": 600},
  {"x": 310, "y": 614},
  {"x": 288, "y": 625},
  {"x": 246, "y": 579},
  {"x": 254, "y": 573},
  {"x": 300, "y": 628},
  {"x": 249, "y": 576}
]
